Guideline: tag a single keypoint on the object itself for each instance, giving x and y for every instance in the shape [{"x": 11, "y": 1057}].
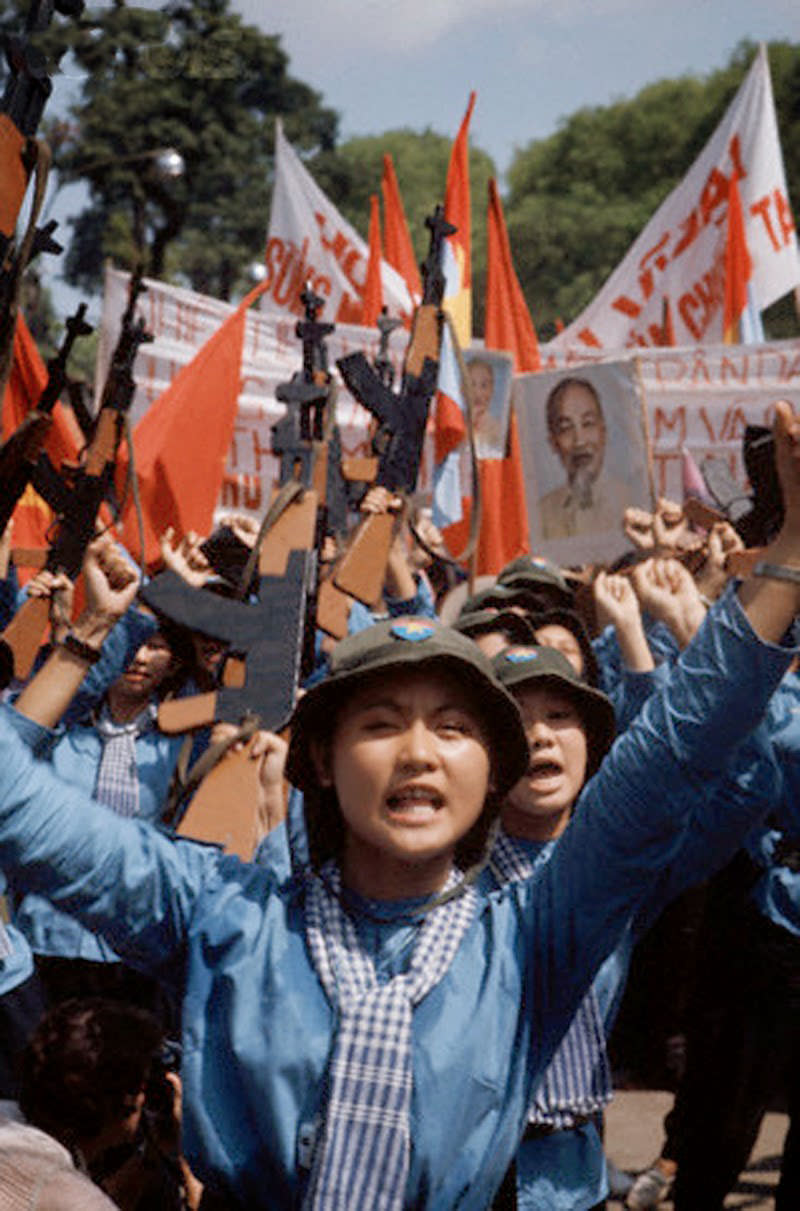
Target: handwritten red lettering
[
  {"x": 785, "y": 217},
  {"x": 660, "y": 262},
  {"x": 761, "y": 209},
  {"x": 664, "y": 421}
]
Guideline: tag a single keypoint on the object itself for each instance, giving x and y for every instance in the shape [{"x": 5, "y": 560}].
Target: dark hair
[
  {"x": 83, "y": 1063},
  {"x": 559, "y": 391}
]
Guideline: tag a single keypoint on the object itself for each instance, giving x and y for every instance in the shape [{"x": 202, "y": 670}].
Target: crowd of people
[{"x": 404, "y": 998}]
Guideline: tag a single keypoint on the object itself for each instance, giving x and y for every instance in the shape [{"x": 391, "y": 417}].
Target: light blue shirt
[{"x": 257, "y": 1026}]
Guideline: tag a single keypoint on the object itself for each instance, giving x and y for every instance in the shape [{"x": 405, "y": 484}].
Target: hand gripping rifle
[
  {"x": 76, "y": 493},
  {"x": 21, "y": 155},
  {"x": 20, "y": 453},
  {"x": 271, "y": 639},
  {"x": 402, "y": 419}
]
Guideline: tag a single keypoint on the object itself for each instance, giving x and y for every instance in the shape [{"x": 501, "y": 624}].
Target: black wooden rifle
[
  {"x": 76, "y": 493},
  {"x": 24, "y": 97},
  {"x": 270, "y": 640},
  {"x": 402, "y": 417}
]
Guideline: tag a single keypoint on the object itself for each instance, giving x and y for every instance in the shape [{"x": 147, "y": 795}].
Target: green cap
[
  {"x": 524, "y": 665},
  {"x": 535, "y": 572},
  {"x": 478, "y": 622},
  {"x": 401, "y": 643}
]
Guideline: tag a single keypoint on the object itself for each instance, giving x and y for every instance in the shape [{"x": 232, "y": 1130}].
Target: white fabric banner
[
  {"x": 181, "y": 322},
  {"x": 309, "y": 241},
  {"x": 679, "y": 256},
  {"x": 700, "y": 398}
]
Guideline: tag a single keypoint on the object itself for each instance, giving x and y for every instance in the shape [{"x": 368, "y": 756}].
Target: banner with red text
[
  {"x": 695, "y": 398},
  {"x": 679, "y": 258},
  {"x": 309, "y": 241}
]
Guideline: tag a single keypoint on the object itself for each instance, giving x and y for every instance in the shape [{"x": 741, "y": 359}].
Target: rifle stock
[
  {"x": 23, "y": 635},
  {"x": 362, "y": 570},
  {"x": 222, "y": 811}
]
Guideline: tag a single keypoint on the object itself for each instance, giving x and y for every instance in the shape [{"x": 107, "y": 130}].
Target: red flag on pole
[
  {"x": 449, "y": 420},
  {"x": 504, "y": 528},
  {"x": 182, "y": 441},
  {"x": 373, "y": 290},
  {"x": 399, "y": 250},
  {"x": 26, "y": 382},
  {"x": 738, "y": 266}
]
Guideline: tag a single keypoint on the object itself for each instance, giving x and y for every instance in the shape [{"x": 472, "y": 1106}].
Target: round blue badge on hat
[
  {"x": 519, "y": 655},
  {"x": 412, "y": 630}
]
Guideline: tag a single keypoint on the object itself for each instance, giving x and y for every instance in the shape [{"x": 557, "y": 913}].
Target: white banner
[
  {"x": 700, "y": 398},
  {"x": 309, "y": 241},
  {"x": 679, "y": 255},
  {"x": 181, "y": 322}
]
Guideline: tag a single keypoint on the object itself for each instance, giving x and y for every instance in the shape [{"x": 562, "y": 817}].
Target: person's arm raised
[
  {"x": 772, "y": 600},
  {"x": 111, "y": 584}
]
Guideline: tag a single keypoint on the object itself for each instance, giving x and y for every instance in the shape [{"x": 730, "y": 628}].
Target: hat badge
[
  {"x": 412, "y": 630},
  {"x": 520, "y": 655}
]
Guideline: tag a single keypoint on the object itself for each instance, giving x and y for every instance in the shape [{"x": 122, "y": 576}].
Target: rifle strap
[
  {"x": 285, "y": 496},
  {"x": 186, "y": 781},
  {"x": 41, "y": 171}
]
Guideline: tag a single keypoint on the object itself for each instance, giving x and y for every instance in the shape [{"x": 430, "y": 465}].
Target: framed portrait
[
  {"x": 490, "y": 375},
  {"x": 585, "y": 456}
]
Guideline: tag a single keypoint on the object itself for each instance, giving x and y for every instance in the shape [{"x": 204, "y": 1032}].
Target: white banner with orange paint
[
  {"x": 679, "y": 256},
  {"x": 181, "y": 321},
  {"x": 698, "y": 398},
  {"x": 310, "y": 242}
]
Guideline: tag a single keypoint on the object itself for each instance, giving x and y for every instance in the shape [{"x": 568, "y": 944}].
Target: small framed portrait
[
  {"x": 490, "y": 373},
  {"x": 585, "y": 457}
]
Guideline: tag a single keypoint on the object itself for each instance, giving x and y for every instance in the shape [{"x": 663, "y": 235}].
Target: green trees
[
  {"x": 195, "y": 77},
  {"x": 578, "y": 199}
]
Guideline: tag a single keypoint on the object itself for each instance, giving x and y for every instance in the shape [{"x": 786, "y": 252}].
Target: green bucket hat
[
  {"x": 518, "y": 666},
  {"x": 536, "y": 573},
  {"x": 402, "y": 643},
  {"x": 490, "y": 618}
]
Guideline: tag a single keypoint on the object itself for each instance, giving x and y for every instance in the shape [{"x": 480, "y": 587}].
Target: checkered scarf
[
  {"x": 117, "y": 783},
  {"x": 6, "y": 949},
  {"x": 577, "y": 1082},
  {"x": 362, "y": 1155}
]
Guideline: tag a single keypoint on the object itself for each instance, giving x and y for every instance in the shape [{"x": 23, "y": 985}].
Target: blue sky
[
  {"x": 389, "y": 63},
  {"x": 384, "y": 64}
]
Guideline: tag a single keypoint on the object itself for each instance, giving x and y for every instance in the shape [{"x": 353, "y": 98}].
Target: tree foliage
[
  {"x": 578, "y": 199},
  {"x": 353, "y": 172},
  {"x": 191, "y": 76}
]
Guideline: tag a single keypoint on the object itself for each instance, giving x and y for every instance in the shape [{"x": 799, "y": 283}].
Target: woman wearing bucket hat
[
  {"x": 561, "y": 1164},
  {"x": 371, "y": 1035}
]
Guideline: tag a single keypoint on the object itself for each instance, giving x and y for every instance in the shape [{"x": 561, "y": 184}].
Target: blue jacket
[{"x": 257, "y": 1027}]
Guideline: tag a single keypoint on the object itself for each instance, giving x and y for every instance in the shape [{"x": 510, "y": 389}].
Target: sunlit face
[
  {"x": 482, "y": 384},
  {"x": 153, "y": 662},
  {"x": 491, "y": 642},
  {"x": 409, "y": 762},
  {"x": 539, "y": 805},
  {"x": 554, "y": 635},
  {"x": 579, "y": 433}
]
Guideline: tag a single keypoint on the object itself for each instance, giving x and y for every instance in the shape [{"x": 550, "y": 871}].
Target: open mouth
[
  {"x": 543, "y": 771},
  {"x": 420, "y": 802}
]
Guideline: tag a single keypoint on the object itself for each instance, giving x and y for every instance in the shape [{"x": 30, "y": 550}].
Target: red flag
[
  {"x": 182, "y": 441},
  {"x": 373, "y": 291},
  {"x": 398, "y": 247},
  {"x": 738, "y": 266},
  {"x": 449, "y": 421},
  {"x": 504, "y": 523},
  {"x": 26, "y": 382}
]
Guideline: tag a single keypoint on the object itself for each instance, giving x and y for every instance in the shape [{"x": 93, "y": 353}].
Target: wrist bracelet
[
  {"x": 84, "y": 651},
  {"x": 777, "y": 571}
]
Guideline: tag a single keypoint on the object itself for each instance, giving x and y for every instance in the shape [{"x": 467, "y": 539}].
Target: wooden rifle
[
  {"x": 271, "y": 639},
  {"x": 21, "y": 452},
  {"x": 27, "y": 89},
  {"x": 402, "y": 418},
  {"x": 76, "y": 493}
]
